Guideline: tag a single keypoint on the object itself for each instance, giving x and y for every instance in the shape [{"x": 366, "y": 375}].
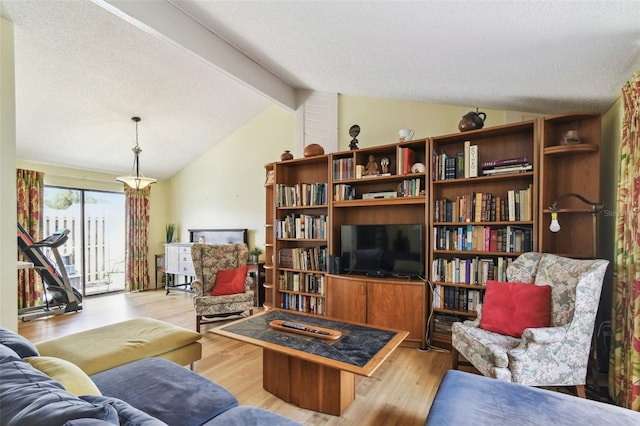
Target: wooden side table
[
  {"x": 256, "y": 270},
  {"x": 160, "y": 268}
]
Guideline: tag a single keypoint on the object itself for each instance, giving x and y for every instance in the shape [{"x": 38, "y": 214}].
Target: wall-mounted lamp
[
  {"x": 596, "y": 207},
  {"x": 137, "y": 180}
]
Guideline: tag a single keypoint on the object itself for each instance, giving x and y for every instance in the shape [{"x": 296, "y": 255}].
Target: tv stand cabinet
[{"x": 385, "y": 302}]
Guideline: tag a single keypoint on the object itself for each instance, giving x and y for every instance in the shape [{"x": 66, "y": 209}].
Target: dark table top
[{"x": 361, "y": 346}]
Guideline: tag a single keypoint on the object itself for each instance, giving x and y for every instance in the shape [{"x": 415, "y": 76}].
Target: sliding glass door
[{"x": 94, "y": 254}]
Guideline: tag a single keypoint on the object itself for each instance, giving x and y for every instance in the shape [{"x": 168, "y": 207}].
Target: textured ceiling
[{"x": 82, "y": 69}]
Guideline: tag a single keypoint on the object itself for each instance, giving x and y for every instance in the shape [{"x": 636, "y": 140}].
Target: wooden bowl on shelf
[{"x": 313, "y": 150}]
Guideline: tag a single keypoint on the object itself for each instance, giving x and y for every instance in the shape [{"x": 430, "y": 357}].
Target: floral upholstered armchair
[
  {"x": 557, "y": 355},
  {"x": 208, "y": 262}
]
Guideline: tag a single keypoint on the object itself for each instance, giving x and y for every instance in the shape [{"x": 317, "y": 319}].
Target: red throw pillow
[
  {"x": 509, "y": 308},
  {"x": 230, "y": 281}
]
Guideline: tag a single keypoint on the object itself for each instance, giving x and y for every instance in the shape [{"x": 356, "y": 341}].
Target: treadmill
[{"x": 60, "y": 297}]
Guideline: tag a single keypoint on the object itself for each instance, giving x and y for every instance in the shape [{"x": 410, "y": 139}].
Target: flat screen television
[{"x": 394, "y": 249}]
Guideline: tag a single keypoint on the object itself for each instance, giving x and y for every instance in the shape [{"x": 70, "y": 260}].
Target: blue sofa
[
  {"x": 470, "y": 399},
  {"x": 146, "y": 392}
]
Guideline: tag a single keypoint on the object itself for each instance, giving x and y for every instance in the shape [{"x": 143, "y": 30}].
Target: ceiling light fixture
[{"x": 137, "y": 180}]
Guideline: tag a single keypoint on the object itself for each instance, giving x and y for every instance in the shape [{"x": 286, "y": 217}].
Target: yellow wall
[
  {"x": 224, "y": 188},
  {"x": 8, "y": 274},
  {"x": 609, "y": 170},
  {"x": 610, "y": 160},
  {"x": 380, "y": 119}
]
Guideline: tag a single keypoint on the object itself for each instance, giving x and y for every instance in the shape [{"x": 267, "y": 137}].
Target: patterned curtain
[
  {"x": 624, "y": 362},
  {"x": 30, "y": 185},
  {"x": 137, "y": 228}
]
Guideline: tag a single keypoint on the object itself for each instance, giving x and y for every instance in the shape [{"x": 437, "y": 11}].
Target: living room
[{"x": 210, "y": 191}]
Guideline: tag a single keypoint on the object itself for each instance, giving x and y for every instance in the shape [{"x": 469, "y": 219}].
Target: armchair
[
  {"x": 207, "y": 261},
  {"x": 557, "y": 355}
]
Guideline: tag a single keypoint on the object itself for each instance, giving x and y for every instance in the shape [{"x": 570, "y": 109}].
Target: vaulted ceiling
[{"x": 196, "y": 71}]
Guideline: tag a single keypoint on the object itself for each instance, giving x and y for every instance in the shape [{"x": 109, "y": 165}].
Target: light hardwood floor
[{"x": 400, "y": 392}]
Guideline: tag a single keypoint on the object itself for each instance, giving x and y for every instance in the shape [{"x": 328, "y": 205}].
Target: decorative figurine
[
  {"x": 353, "y": 132},
  {"x": 384, "y": 163},
  {"x": 371, "y": 169}
]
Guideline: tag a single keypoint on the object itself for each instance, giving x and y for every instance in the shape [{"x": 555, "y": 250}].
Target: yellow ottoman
[{"x": 106, "y": 347}]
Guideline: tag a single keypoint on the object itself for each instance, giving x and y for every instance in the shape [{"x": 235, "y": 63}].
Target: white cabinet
[{"x": 177, "y": 257}]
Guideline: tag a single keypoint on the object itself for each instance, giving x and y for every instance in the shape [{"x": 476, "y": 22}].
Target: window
[{"x": 94, "y": 254}]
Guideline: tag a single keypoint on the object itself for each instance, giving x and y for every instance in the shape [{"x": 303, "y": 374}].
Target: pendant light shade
[{"x": 136, "y": 179}]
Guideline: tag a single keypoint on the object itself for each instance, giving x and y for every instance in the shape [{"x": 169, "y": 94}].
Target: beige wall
[
  {"x": 224, "y": 188},
  {"x": 380, "y": 119},
  {"x": 8, "y": 274},
  {"x": 610, "y": 168}
]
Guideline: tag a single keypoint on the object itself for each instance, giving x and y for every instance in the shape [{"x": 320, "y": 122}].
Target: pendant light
[{"x": 136, "y": 179}]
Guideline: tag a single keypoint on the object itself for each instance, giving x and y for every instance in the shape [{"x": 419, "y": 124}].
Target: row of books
[
  {"x": 303, "y": 258},
  {"x": 456, "y": 298},
  {"x": 302, "y": 226},
  {"x": 443, "y": 322},
  {"x": 509, "y": 239},
  {"x": 409, "y": 188},
  {"x": 464, "y": 164},
  {"x": 342, "y": 192},
  {"x": 301, "y": 303},
  {"x": 486, "y": 207},
  {"x": 301, "y": 194},
  {"x": 473, "y": 271},
  {"x": 343, "y": 168},
  {"x": 302, "y": 282}
]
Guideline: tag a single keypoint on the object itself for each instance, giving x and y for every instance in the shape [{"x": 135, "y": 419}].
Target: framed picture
[{"x": 270, "y": 177}]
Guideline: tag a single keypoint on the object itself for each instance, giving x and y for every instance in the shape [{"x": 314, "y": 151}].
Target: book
[
  {"x": 467, "y": 145},
  {"x": 505, "y": 162},
  {"x": 508, "y": 170},
  {"x": 408, "y": 158},
  {"x": 459, "y": 165},
  {"x": 473, "y": 161}
]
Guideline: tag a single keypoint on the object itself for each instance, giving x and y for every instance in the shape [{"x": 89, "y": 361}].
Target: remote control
[
  {"x": 303, "y": 328},
  {"x": 293, "y": 325}
]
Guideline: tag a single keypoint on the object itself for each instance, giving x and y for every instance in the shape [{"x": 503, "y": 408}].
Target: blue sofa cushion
[
  {"x": 144, "y": 384},
  {"x": 465, "y": 398},
  {"x": 250, "y": 416},
  {"x": 7, "y": 352},
  {"x": 30, "y": 397},
  {"x": 22, "y": 346},
  {"x": 127, "y": 414}
]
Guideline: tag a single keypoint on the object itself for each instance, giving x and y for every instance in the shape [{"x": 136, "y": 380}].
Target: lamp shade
[
  {"x": 136, "y": 179},
  {"x": 136, "y": 182}
]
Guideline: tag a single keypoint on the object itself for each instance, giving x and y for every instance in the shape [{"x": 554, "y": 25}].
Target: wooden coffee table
[{"x": 314, "y": 372}]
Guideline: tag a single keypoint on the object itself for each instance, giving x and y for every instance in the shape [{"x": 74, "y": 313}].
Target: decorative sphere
[
  {"x": 418, "y": 168},
  {"x": 313, "y": 150}
]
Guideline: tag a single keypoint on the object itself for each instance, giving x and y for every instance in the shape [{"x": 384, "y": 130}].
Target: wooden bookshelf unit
[
  {"x": 482, "y": 198},
  {"x": 480, "y": 223}
]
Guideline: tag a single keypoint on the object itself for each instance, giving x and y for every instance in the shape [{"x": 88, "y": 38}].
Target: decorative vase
[
  {"x": 286, "y": 156},
  {"x": 473, "y": 120},
  {"x": 313, "y": 150}
]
